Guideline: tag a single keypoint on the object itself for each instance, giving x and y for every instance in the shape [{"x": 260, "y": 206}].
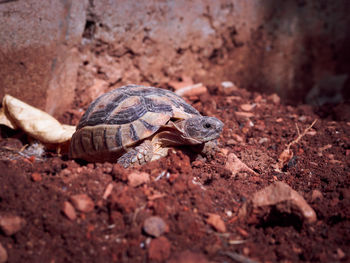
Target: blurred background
[{"x": 62, "y": 54}]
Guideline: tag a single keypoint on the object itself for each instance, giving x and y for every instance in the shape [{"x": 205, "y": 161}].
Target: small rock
[
  {"x": 197, "y": 163},
  {"x": 340, "y": 253},
  {"x": 228, "y": 87},
  {"x": 242, "y": 232},
  {"x": 243, "y": 114},
  {"x": 258, "y": 98},
  {"x": 155, "y": 226},
  {"x": 3, "y": 254},
  {"x": 231, "y": 142},
  {"x": 316, "y": 194},
  {"x": 36, "y": 177},
  {"x": 188, "y": 257},
  {"x": 159, "y": 249},
  {"x": 10, "y": 224},
  {"x": 279, "y": 196},
  {"x": 274, "y": 98},
  {"x": 235, "y": 165},
  {"x": 108, "y": 191},
  {"x": 192, "y": 90},
  {"x": 69, "y": 210},
  {"x": 246, "y": 251},
  {"x": 228, "y": 84},
  {"x": 232, "y": 99},
  {"x": 237, "y": 137},
  {"x": 83, "y": 203},
  {"x": 263, "y": 140},
  {"x": 302, "y": 118},
  {"x": 247, "y": 107},
  {"x": 138, "y": 178},
  {"x": 216, "y": 222}
]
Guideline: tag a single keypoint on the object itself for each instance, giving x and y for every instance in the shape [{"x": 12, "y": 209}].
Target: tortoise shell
[{"x": 123, "y": 118}]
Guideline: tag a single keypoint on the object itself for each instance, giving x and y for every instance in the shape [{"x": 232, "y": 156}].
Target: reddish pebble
[
  {"x": 11, "y": 224},
  {"x": 155, "y": 226},
  {"x": 242, "y": 232},
  {"x": 246, "y": 251},
  {"x": 274, "y": 98},
  {"x": 258, "y": 98},
  {"x": 340, "y": 253},
  {"x": 138, "y": 178},
  {"x": 192, "y": 90},
  {"x": 247, "y": 107},
  {"x": 3, "y": 254},
  {"x": 36, "y": 177},
  {"x": 83, "y": 203},
  {"x": 108, "y": 191},
  {"x": 197, "y": 163},
  {"x": 69, "y": 210},
  {"x": 32, "y": 159},
  {"x": 244, "y": 114},
  {"x": 237, "y": 137},
  {"x": 159, "y": 249},
  {"x": 216, "y": 222}
]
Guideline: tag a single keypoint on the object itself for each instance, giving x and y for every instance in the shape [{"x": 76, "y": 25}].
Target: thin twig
[
  {"x": 296, "y": 125},
  {"x": 301, "y": 135}
]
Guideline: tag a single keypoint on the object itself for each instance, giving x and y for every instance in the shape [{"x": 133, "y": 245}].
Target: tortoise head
[{"x": 201, "y": 129}]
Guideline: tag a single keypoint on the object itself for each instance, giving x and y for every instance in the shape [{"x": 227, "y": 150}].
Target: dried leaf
[
  {"x": 215, "y": 221},
  {"x": 36, "y": 123},
  {"x": 284, "y": 158},
  {"x": 4, "y": 120}
]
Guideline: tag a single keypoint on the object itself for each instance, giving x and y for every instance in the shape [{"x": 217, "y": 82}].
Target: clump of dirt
[{"x": 196, "y": 198}]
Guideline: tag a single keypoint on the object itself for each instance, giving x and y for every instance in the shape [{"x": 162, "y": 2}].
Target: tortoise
[{"x": 136, "y": 124}]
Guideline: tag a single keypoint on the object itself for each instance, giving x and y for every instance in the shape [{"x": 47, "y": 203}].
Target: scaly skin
[{"x": 138, "y": 156}]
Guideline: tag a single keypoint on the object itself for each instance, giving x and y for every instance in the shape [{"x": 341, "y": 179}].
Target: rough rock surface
[
  {"x": 277, "y": 196},
  {"x": 297, "y": 49},
  {"x": 38, "y": 51},
  {"x": 11, "y": 224},
  {"x": 257, "y": 45}
]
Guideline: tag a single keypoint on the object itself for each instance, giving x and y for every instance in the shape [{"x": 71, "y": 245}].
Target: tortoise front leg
[
  {"x": 208, "y": 149},
  {"x": 137, "y": 156}
]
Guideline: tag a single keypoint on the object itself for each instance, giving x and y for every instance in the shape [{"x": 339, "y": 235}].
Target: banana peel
[{"x": 38, "y": 124}]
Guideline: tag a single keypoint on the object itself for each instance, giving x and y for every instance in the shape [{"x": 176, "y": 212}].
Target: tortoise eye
[{"x": 207, "y": 125}]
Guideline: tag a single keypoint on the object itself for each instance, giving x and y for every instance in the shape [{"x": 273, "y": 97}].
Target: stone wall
[
  {"x": 38, "y": 51},
  {"x": 298, "y": 49}
]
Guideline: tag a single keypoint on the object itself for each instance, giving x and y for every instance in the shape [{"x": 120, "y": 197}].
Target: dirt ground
[{"x": 196, "y": 199}]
